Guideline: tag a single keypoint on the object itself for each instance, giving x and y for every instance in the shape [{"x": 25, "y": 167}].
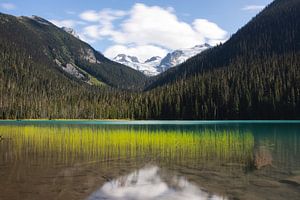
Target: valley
[{"x": 253, "y": 75}]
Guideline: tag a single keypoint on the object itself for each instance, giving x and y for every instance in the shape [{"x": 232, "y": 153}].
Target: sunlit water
[{"x": 149, "y": 160}]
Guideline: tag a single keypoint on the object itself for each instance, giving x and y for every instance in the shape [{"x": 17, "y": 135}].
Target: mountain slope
[
  {"x": 33, "y": 85},
  {"x": 74, "y": 58},
  {"x": 274, "y": 31},
  {"x": 255, "y": 75},
  {"x": 71, "y": 31}
]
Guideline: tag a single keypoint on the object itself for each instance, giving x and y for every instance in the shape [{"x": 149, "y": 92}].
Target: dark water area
[{"x": 149, "y": 160}]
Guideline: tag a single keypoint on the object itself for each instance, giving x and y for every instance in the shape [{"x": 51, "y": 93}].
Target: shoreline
[{"x": 146, "y": 122}]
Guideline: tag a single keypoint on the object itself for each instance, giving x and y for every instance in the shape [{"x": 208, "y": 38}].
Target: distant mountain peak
[
  {"x": 154, "y": 58},
  {"x": 179, "y": 56},
  {"x": 126, "y": 58},
  {"x": 155, "y": 65},
  {"x": 134, "y": 59},
  {"x": 148, "y": 67}
]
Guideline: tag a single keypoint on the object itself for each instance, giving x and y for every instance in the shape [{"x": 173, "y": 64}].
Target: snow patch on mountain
[
  {"x": 178, "y": 57},
  {"x": 148, "y": 67},
  {"x": 70, "y": 31},
  {"x": 156, "y": 65}
]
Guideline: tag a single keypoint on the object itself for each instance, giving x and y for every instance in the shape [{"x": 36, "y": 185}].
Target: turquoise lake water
[{"x": 149, "y": 159}]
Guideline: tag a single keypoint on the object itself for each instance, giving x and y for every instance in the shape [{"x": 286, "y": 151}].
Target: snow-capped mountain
[
  {"x": 149, "y": 67},
  {"x": 180, "y": 56},
  {"x": 70, "y": 31},
  {"x": 157, "y": 65}
]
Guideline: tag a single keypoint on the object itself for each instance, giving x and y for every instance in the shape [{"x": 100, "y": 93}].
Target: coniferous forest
[{"x": 254, "y": 75}]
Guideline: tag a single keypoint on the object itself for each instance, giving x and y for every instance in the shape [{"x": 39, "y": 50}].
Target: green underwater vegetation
[{"x": 69, "y": 143}]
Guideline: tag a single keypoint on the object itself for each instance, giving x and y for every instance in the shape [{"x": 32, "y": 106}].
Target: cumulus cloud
[
  {"x": 92, "y": 32},
  {"x": 106, "y": 15},
  {"x": 67, "y": 23},
  {"x": 253, "y": 7},
  {"x": 148, "y": 26},
  {"x": 143, "y": 52},
  {"x": 8, "y": 6},
  {"x": 90, "y": 15},
  {"x": 103, "y": 23},
  {"x": 159, "y": 26},
  {"x": 210, "y": 30}
]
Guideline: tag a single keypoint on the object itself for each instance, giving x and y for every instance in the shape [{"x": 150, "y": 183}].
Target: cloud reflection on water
[{"x": 147, "y": 184}]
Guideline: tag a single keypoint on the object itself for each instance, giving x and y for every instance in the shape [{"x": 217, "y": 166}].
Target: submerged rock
[
  {"x": 265, "y": 183},
  {"x": 262, "y": 157},
  {"x": 295, "y": 180}
]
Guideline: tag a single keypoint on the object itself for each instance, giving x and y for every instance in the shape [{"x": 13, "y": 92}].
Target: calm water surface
[{"x": 149, "y": 160}]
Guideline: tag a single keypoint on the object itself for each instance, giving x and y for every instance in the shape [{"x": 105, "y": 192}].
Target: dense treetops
[{"x": 254, "y": 75}]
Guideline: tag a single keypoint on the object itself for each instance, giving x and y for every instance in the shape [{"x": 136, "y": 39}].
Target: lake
[{"x": 149, "y": 160}]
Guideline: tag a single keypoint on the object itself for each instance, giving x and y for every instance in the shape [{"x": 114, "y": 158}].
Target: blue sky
[{"x": 144, "y": 28}]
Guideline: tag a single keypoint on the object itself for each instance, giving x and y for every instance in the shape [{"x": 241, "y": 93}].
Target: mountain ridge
[
  {"x": 68, "y": 53},
  {"x": 70, "y": 31},
  {"x": 236, "y": 47},
  {"x": 148, "y": 67},
  {"x": 156, "y": 65},
  {"x": 254, "y": 75}
]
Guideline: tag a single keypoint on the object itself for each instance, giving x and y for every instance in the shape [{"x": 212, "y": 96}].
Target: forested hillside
[
  {"x": 274, "y": 31},
  {"x": 33, "y": 39},
  {"x": 254, "y": 75}
]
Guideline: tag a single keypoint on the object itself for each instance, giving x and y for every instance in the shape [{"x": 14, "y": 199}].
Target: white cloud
[
  {"x": 143, "y": 52},
  {"x": 253, "y": 7},
  {"x": 67, "y": 23},
  {"x": 8, "y": 6},
  {"x": 90, "y": 15},
  {"x": 92, "y": 32},
  {"x": 210, "y": 31},
  {"x": 106, "y": 15},
  {"x": 104, "y": 25},
  {"x": 148, "y": 26},
  {"x": 64, "y": 23},
  {"x": 159, "y": 26}
]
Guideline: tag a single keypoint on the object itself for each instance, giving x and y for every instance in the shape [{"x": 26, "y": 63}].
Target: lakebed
[{"x": 83, "y": 159}]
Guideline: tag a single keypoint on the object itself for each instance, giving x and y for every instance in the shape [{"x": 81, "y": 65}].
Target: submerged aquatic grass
[{"x": 95, "y": 143}]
